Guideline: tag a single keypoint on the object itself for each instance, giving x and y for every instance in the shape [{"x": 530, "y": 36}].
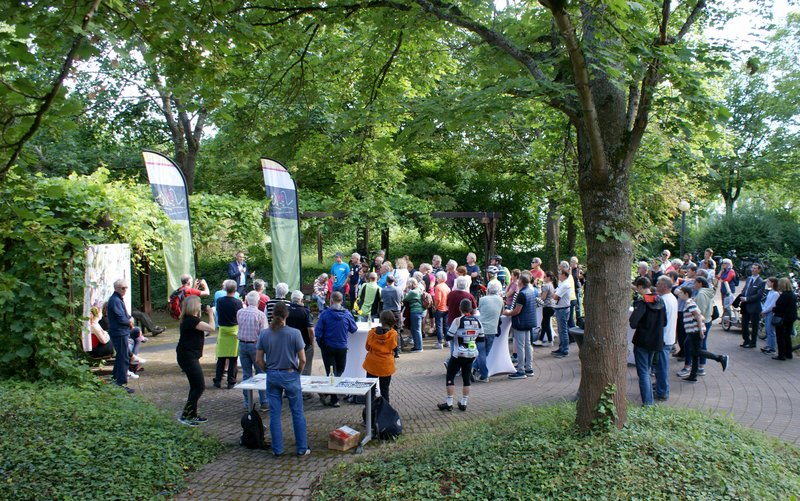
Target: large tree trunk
[
  {"x": 609, "y": 254},
  {"x": 552, "y": 234},
  {"x": 572, "y": 235}
]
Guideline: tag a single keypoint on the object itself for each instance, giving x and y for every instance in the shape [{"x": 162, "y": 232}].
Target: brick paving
[{"x": 756, "y": 391}]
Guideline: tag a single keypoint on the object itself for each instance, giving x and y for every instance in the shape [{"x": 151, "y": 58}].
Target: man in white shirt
[
  {"x": 562, "y": 298},
  {"x": 664, "y": 290}
]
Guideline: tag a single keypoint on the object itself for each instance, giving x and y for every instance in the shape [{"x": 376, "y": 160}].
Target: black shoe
[
  {"x": 445, "y": 407},
  {"x": 231, "y": 385},
  {"x": 461, "y": 407},
  {"x": 724, "y": 362},
  {"x": 661, "y": 399},
  {"x": 158, "y": 330},
  {"x": 690, "y": 379},
  {"x": 131, "y": 391},
  {"x": 216, "y": 384},
  {"x": 200, "y": 420},
  {"x": 778, "y": 358},
  {"x": 678, "y": 355}
]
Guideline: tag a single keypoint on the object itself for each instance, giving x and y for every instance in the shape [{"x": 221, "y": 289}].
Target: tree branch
[
  {"x": 698, "y": 9},
  {"x": 381, "y": 76},
  {"x": 49, "y": 98}
]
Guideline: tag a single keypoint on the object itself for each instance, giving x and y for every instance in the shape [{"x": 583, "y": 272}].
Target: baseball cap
[{"x": 339, "y": 254}]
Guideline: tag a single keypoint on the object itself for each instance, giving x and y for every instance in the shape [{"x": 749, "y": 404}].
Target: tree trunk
[
  {"x": 572, "y": 235},
  {"x": 552, "y": 233},
  {"x": 609, "y": 254}
]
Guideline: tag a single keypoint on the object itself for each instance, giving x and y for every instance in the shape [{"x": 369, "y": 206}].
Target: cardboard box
[{"x": 344, "y": 438}]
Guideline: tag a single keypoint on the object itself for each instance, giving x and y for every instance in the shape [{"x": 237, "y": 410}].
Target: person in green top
[
  {"x": 413, "y": 301},
  {"x": 369, "y": 298}
]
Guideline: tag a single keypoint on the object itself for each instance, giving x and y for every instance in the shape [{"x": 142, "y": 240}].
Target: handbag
[
  {"x": 777, "y": 320},
  {"x": 714, "y": 313}
]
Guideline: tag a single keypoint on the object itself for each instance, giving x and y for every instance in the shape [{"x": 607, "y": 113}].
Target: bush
[
  {"x": 60, "y": 442},
  {"x": 534, "y": 453}
]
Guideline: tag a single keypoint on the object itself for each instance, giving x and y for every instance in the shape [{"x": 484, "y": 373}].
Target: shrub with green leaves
[
  {"x": 535, "y": 453},
  {"x": 61, "y": 442}
]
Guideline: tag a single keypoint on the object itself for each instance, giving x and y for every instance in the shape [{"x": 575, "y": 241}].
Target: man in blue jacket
[
  {"x": 333, "y": 327},
  {"x": 119, "y": 329}
]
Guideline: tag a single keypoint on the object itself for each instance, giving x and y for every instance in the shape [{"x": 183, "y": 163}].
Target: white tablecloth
[
  {"x": 357, "y": 351},
  {"x": 499, "y": 359}
]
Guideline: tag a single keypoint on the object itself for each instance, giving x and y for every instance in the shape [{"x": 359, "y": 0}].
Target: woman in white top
[
  {"x": 401, "y": 274},
  {"x": 766, "y": 312},
  {"x": 490, "y": 306},
  {"x": 546, "y": 295}
]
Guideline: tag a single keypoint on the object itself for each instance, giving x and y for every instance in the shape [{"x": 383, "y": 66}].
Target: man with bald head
[{"x": 120, "y": 324}]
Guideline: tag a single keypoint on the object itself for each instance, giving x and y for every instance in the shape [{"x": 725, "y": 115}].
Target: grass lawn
[{"x": 535, "y": 453}]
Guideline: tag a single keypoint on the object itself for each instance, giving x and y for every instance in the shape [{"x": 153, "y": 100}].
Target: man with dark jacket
[
  {"x": 649, "y": 318},
  {"x": 119, "y": 330},
  {"x": 751, "y": 306},
  {"x": 237, "y": 271},
  {"x": 333, "y": 327}
]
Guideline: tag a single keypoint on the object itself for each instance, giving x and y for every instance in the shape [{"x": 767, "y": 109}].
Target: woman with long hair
[
  {"x": 785, "y": 310},
  {"x": 189, "y": 352}
]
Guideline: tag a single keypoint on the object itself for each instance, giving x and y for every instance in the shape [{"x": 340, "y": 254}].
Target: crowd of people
[{"x": 463, "y": 306}]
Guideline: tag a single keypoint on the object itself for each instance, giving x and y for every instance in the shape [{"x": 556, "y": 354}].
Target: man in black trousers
[{"x": 751, "y": 306}]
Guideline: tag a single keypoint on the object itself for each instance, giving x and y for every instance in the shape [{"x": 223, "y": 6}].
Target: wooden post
[
  {"x": 362, "y": 241},
  {"x": 144, "y": 288},
  {"x": 319, "y": 245},
  {"x": 385, "y": 242}
]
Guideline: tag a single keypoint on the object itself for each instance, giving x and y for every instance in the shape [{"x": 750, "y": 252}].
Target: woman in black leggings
[
  {"x": 464, "y": 332},
  {"x": 189, "y": 351},
  {"x": 546, "y": 332}
]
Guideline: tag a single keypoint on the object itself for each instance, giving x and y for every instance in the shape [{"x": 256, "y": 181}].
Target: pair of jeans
[
  {"x": 320, "y": 302},
  {"x": 278, "y": 383},
  {"x": 562, "y": 318},
  {"x": 480, "y": 360},
  {"x": 134, "y": 343},
  {"x": 770, "y": 330},
  {"x": 440, "y": 317},
  {"x": 662, "y": 372},
  {"x": 416, "y": 328},
  {"x": 336, "y": 358},
  {"x": 522, "y": 344},
  {"x": 573, "y": 305},
  {"x": 644, "y": 362},
  {"x": 122, "y": 361},
  {"x": 197, "y": 384},
  {"x": 232, "y": 370},
  {"x": 546, "y": 333},
  {"x": 247, "y": 358}
]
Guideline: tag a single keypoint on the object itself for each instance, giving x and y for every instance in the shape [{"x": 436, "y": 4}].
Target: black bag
[
  {"x": 387, "y": 420},
  {"x": 714, "y": 313},
  {"x": 252, "y": 430},
  {"x": 737, "y": 301}
]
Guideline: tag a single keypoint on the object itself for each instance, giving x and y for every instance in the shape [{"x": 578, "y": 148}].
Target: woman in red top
[
  {"x": 381, "y": 343},
  {"x": 725, "y": 278},
  {"x": 101, "y": 342}
]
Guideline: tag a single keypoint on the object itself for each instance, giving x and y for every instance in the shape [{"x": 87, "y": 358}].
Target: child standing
[
  {"x": 464, "y": 332},
  {"x": 381, "y": 343},
  {"x": 694, "y": 325}
]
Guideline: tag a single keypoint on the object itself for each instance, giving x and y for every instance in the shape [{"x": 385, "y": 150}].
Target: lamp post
[{"x": 684, "y": 207}]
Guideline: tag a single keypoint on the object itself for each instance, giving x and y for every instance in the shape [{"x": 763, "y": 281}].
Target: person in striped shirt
[
  {"x": 251, "y": 322},
  {"x": 694, "y": 326}
]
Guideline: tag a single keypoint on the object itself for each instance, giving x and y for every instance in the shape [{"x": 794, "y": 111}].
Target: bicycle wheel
[{"x": 726, "y": 322}]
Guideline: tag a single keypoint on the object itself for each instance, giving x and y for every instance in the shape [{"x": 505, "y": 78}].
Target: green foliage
[
  {"x": 224, "y": 224},
  {"x": 534, "y": 453},
  {"x": 751, "y": 232},
  {"x": 46, "y": 225},
  {"x": 605, "y": 411},
  {"x": 99, "y": 444}
]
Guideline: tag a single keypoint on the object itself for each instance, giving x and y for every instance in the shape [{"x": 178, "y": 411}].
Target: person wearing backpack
[
  {"x": 177, "y": 297},
  {"x": 281, "y": 353},
  {"x": 649, "y": 318},
  {"x": 380, "y": 345},
  {"x": 464, "y": 332}
]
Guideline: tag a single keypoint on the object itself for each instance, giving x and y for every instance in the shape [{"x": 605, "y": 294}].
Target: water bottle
[{"x": 331, "y": 373}]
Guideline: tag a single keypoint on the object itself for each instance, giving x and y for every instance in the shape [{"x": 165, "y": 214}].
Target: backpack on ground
[
  {"x": 176, "y": 303},
  {"x": 386, "y": 421},
  {"x": 252, "y": 430},
  {"x": 427, "y": 300}
]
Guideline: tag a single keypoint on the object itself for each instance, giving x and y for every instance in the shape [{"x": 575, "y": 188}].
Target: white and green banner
[
  {"x": 284, "y": 222},
  {"x": 169, "y": 190}
]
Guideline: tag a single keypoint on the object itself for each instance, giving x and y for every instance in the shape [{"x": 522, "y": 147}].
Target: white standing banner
[{"x": 105, "y": 264}]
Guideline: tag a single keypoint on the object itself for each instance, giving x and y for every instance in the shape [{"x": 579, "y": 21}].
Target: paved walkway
[{"x": 756, "y": 391}]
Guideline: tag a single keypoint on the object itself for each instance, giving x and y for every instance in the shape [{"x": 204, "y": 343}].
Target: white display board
[{"x": 105, "y": 264}]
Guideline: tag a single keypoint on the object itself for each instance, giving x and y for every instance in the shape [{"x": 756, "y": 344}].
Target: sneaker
[
  {"x": 560, "y": 354},
  {"x": 416, "y": 351},
  {"x": 188, "y": 421},
  {"x": 548, "y": 344},
  {"x": 216, "y": 384},
  {"x": 462, "y": 407},
  {"x": 701, "y": 372},
  {"x": 304, "y": 453},
  {"x": 447, "y": 344},
  {"x": 529, "y": 372},
  {"x": 556, "y": 352},
  {"x": 683, "y": 372},
  {"x": 724, "y": 362},
  {"x": 137, "y": 359},
  {"x": 445, "y": 407},
  {"x": 482, "y": 380},
  {"x": 517, "y": 375},
  {"x": 200, "y": 420},
  {"x": 690, "y": 380},
  {"x": 132, "y": 375},
  {"x": 437, "y": 346},
  {"x": 336, "y": 404},
  {"x": 265, "y": 407},
  {"x": 158, "y": 330},
  {"x": 537, "y": 343},
  {"x": 661, "y": 398},
  {"x": 767, "y": 351}
]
